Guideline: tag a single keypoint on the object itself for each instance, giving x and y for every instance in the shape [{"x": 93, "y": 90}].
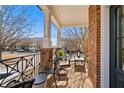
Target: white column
[
  {"x": 105, "y": 46},
  {"x": 59, "y": 37},
  {"x": 47, "y": 31}
]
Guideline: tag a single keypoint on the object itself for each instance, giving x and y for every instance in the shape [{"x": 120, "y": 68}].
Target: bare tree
[
  {"x": 76, "y": 34},
  {"x": 14, "y": 24},
  {"x": 70, "y": 44}
]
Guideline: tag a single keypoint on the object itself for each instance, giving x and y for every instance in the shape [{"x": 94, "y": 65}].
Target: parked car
[{"x": 20, "y": 50}]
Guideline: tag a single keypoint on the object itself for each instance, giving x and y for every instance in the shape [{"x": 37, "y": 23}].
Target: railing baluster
[
  {"x": 34, "y": 65},
  {"x": 22, "y": 69}
]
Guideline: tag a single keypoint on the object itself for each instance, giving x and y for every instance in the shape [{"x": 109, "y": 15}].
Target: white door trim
[{"x": 105, "y": 46}]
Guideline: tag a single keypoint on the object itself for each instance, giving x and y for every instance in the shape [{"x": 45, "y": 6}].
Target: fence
[{"x": 18, "y": 69}]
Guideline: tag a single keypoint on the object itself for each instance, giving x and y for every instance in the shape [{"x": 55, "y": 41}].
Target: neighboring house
[{"x": 30, "y": 44}]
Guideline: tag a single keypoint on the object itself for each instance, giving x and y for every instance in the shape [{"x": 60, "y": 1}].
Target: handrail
[{"x": 17, "y": 57}]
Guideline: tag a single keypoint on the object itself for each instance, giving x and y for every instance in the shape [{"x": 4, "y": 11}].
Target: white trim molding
[{"x": 105, "y": 46}]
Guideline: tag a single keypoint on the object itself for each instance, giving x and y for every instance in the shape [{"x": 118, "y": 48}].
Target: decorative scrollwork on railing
[{"x": 18, "y": 69}]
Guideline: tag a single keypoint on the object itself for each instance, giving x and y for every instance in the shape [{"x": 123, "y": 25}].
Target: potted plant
[{"x": 60, "y": 53}]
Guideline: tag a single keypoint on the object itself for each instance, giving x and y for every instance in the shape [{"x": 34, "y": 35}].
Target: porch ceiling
[{"x": 69, "y": 15}]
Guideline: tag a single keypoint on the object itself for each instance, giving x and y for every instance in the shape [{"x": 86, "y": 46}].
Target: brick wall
[
  {"x": 46, "y": 56},
  {"x": 94, "y": 44}
]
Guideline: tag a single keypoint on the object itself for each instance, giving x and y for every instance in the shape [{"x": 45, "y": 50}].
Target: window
[{"x": 120, "y": 38}]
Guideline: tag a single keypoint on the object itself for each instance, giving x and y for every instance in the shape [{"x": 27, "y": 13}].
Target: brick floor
[{"x": 77, "y": 78}]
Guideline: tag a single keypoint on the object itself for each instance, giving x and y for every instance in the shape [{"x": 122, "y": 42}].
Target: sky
[
  {"x": 38, "y": 16},
  {"x": 38, "y": 19}
]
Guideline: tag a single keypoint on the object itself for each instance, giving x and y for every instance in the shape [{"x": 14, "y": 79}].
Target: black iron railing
[{"x": 18, "y": 69}]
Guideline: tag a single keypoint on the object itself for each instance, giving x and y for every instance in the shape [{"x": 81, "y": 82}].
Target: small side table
[
  {"x": 79, "y": 60},
  {"x": 49, "y": 71},
  {"x": 40, "y": 79}
]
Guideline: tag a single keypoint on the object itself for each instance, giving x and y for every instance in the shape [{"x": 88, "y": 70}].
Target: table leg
[{"x": 75, "y": 65}]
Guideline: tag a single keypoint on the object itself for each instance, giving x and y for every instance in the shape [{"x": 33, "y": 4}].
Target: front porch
[
  {"x": 62, "y": 16},
  {"x": 71, "y": 16}
]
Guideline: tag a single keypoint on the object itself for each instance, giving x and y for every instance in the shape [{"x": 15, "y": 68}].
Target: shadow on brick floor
[{"x": 76, "y": 78}]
